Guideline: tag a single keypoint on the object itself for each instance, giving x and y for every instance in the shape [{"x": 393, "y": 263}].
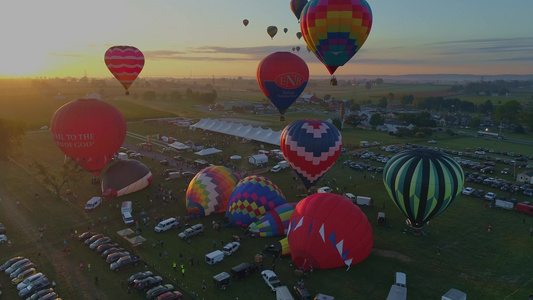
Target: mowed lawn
[{"x": 484, "y": 265}]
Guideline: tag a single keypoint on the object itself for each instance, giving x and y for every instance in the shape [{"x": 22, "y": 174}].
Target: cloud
[
  {"x": 504, "y": 49},
  {"x": 64, "y": 55},
  {"x": 215, "y": 53}
]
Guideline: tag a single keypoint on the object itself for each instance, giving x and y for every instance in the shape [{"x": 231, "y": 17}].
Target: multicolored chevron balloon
[
  {"x": 423, "y": 183},
  {"x": 125, "y": 63},
  {"x": 335, "y": 30},
  {"x": 210, "y": 190},
  {"x": 310, "y": 147},
  {"x": 274, "y": 222},
  {"x": 253, "y": 197}
]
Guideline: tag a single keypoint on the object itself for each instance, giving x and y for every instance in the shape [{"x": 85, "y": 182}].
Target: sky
[{"x": 205, "y": 38}]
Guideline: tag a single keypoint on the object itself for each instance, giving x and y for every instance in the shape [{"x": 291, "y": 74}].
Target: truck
[
  {"x": 398, "y": 291},
  {"x": 525, "y": 208},
  {"x": 126, "y": 212},
  {"x": 362, "y": 200},
  {"x": 258, "y": 159},
  {"x": 93, "y": 203},
  {"x": 214, "y": 257}
]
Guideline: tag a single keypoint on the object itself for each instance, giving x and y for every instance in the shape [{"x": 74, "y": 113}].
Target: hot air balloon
[
  {"x": 281, "y": 247},
  {"x": 282, "y": 77},
  {"x": 125, "y": 177},
  {"x": 125, "y": 63},
  {"x": 274, "y": 222},
  {"x": 293, "y": 49},
  {"x": 89, "y": 131},
  {"x": 245, "y": 22},
  {"x": 297, "y": 48},
  {"x": 310, "y": 147},
  {"x": 422, "y": 183},
  {"x": 335, "y": 29},
  {"x": 299, "y": 35},
  {"x": 272, "y": 30},
  {"x": 253, "y": 197},
  {"x": 297, "y": 6},
  {"x": 209, "y": 191},
  {"x": 285, "y": 30},
  {"x": 328, "y": 231}
]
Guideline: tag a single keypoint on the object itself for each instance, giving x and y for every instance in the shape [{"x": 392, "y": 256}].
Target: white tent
[
  {"x": 208, "y": 151},
  {"x": 179, "y": 146},
  {"x": 237, "y": 129},
  {"x": 235, "y": 157}
]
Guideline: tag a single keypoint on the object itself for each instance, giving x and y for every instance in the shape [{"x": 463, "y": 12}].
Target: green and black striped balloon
[{"x": 422, "y": 183}]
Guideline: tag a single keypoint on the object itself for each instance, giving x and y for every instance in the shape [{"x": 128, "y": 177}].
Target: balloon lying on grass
[
  {"x": 335, "y": 30},
  {"x": 209, "y": 191},
  {"x": 274, "y": 222},
  {"x": 422, "y": 183},
  {"x": 310, "y": 147},
  {"x": 328, "y": 231},
  {"x": 125, "y": 177},
  {"x": 282, "y": 77},
  {"x": 253, "y": 197},
  {"x": 125, "y": 63},
  {"x": 89, "y": 131}
]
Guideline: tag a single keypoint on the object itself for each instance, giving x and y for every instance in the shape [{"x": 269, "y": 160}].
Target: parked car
[
  {"x": 100, "y": 249},
  {"x": 192, "y": 231},
  {"x": 147, "y": 283},
  {"x": 30, "y": 280},
  {"x": 84, "y": 236},
  {"x": 40, "y": 294},
  {"x": 271, "y": 279},
  {"x": 158, "y": 290},
  {"x": 116, "y": 256},
  {"x": 302, "y": 293},
  {"x": 174, "y": 295},
  {"x": 16, "y": 265},
  {"x": 139, "y": 275},
  {"x": 3, "y": 229},
  {"x": 23, "y": 275},
  {"x": 230, "y": 248},
  {"x": 125, "y": 262},
  {"x": 110, "y": 251},
  {"x": 50, "y": 296},
  {"x": 479, "y": 193},
  {"x": 22, "y": 269},
  {"x": 10, "y": 262},
  {"x": 93, "y": 238},
  {"x": 468, "y": 191},
  {"x": 99, "y": 242},
  {"x": 32, "y": 288},
  {"x": 528, "y": 192},
  {"x": 490, "y": 196}
]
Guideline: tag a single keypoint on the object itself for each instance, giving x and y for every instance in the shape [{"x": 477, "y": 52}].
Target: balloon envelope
[
  {"x": 282, "y": 77},
  {"x": 297, "y": 6},
  {"x": 272, "y": 30},
  {"x": 125, "y": 63},
  {"x": 328, "y": 231},
  {"x": 310, "y": 147},
  {"x": 253, "y": 197},
  {"x": 285, "y": 30},
  {"x": 245, "y": 22},
  {"x": 422, "y": 183},
  {"x": 209, "y": 191},
  {"x": 335, "y": 29},
  {"x": 274, "y": 222},
  {"x": 299, "y": 35},
  {"x": 125, "y": 177},
  {"x": 89, "y": 131}
]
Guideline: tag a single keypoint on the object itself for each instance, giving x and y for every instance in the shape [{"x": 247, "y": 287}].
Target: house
[
  {"x": 392, "y": 125},
  {"x": 526, "y": 177},
  {"x": 309, "y": 98}
]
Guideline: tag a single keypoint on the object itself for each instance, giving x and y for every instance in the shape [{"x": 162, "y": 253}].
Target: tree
[
  {"x": 475, "y": 122},
  {"x": 382, "y": 102},
  {"x": 149, "y": 95},
  {"x": 11, "y": 133},
  {"x": 353, "y": 120},
  {"x": 175, "y": 95},
  {"x": 379, "y": 81},
  {"x": 70, "y": 172},
  {"x": 376, "y": 120}
]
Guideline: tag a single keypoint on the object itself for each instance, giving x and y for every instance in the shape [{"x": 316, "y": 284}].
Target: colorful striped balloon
[
  {"x": 274, "y": 222},
  {"x": 310, "y": 147},
  {"x": 125, "y": 63},
  {"x": 297, "y": 6},
  {"x": 209, "y": 191},
  {"x": 253, "y": 197},
  {"x": 422, "y": 183},
  {"x": 335, "y": 30}
]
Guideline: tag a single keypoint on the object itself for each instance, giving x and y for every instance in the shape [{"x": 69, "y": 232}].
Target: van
[
  {"x": 214, "y": 257},
  {"x": 362, "y": 200},
  {"x": 128, "y": 218},
  {"x": 122, "y": 156},
  {"x": 166, "y": 225},
  {"x": 173, "y": 175},
  {"x": 30, "y": 280},
  {"x": 126, "y": 207},
  {"x": 93, "y": 203},
  {"x": 350, "y": 197},
  {"x": 283, "y": 293},
  {"x": 400, "y": 279},
  {"x": 324, "y": 189}
]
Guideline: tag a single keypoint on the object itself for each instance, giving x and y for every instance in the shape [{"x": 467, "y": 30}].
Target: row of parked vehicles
[
  {"x": 152, "y": 285},
  {"x": 30, "y": 284},
  {"x": 117, "y": 258}
]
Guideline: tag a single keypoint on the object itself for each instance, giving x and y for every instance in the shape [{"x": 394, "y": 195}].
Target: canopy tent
[
  {"x": 125, "y": 232},
  {"x": 179, "y": 146},
  {"x": 208, "y": 151},
  {"x": 239, "y": 130},
  {"x": 235, "y": 157},
  {"x": 137, "y": 240}
]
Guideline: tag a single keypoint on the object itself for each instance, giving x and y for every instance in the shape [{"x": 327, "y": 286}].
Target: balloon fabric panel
[{"x": 274, "y": 222}]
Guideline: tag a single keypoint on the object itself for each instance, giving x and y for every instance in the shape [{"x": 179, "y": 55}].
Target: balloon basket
[{"x": 282, "y": 118}]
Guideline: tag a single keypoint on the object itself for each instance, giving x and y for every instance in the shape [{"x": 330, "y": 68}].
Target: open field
[{"x": 484, "y": 265}]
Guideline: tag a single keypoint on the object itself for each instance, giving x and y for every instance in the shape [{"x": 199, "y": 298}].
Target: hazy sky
[{"x": 202, "y": 38}]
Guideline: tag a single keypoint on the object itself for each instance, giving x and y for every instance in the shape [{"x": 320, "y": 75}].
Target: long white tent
[{"x": 237, "y": 129}]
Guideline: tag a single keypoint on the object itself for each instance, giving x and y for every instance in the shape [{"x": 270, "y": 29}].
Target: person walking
[
  {"x": 182, "y": 271},
  {"x": 174, "y": 266},
  {"x": 89, "y": 267},
  {"x": 95, "y": 280}
]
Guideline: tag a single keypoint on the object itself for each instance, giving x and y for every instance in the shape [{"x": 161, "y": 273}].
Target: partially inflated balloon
[
  {"x": 335, "y": 30},
  {"x": 274, "y": 222},
  {"x": 328, "y": 231},
  {"x": 125, "y": 177},
  {"x": 125, "y": 63},
  {"x": 310, "y": 147},
  {"x": 89, "y": 131},
  {"x": 272, "y": 30},
  {"x": 282, "y": 77},
  {"x": 245, "y": 22},
  {"x": 422, "y": 183},
  {"x": 297, "y": 6},
  {"x": 253, "y": 197},
  {"x": 209, "y": 191}
]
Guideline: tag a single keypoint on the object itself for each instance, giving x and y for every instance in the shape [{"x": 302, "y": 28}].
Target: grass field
[{"x": 484, "y": 265}]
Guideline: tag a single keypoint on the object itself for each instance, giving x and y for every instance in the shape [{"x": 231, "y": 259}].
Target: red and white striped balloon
[{"x": 125, "y": 63}]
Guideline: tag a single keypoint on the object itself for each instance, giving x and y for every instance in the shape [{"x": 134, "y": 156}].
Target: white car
[
  {"x": 490, "y": 196},
  {"x": 230, "y": 248},
  {"x": 271, "y": 279},
  {"x": 3, "y": 238},
  {"x": 468, "y": 191},
  {"x": 275, "y": 169}
]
